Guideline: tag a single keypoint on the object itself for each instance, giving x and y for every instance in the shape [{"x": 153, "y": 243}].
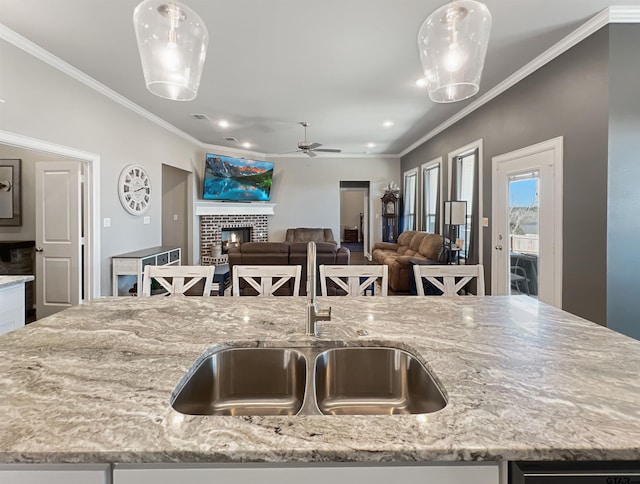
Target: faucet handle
[{"x": 323, "y": 314}]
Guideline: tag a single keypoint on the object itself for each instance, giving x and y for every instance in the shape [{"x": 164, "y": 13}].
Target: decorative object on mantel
[
  {"x": 172, "y": 40},
  {"x": 453, "y": 43},
  {"x": 10, "y": 198}
]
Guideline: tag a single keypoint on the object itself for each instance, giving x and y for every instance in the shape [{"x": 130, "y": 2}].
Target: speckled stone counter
[
  {"x": 523, "y": 381},
  {"x": 6, "y": 281}
]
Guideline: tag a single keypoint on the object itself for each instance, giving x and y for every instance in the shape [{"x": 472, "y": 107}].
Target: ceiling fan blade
[
  {"x": 310, "y": 153},
  {"x": 313, "y": 146},
  {"x": 289, "y": 152},
  {"x": 329, "y": 150}
]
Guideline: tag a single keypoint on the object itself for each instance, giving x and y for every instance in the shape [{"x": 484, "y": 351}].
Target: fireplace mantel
[{"x": 234, "y": 208}]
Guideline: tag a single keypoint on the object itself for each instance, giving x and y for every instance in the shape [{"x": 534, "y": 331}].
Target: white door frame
[
  {"x": 92, "y": 200},
  {"x": 554, "y": 145}
]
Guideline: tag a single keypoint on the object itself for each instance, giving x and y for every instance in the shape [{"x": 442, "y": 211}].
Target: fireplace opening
[{"x": 233, "y": 237}]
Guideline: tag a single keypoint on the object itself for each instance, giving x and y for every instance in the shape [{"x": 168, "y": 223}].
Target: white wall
[
  {"x": 43, "y": 103},
  {"x": 307, "y": 191}
]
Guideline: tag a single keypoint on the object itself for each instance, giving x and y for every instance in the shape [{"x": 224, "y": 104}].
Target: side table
[{"x": 221, "y": 278}]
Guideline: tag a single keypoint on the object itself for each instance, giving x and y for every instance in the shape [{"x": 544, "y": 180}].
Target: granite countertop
[
  {"x": 6, "y": 281},
  {"x": 523, "y": 380}
]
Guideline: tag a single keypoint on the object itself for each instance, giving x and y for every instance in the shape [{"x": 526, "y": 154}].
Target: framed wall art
[{"x": 10, "y": 197}]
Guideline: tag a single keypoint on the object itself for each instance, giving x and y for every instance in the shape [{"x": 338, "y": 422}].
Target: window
[
  {"x": 431, "y": 197},
  {"x": 465, "y": 183},
  {"x": 410, "y": 189},
  {"x": 465, "y": 175}
]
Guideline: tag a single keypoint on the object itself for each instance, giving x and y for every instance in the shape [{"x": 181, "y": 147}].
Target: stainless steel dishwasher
[{"x": 618, "y": 472}]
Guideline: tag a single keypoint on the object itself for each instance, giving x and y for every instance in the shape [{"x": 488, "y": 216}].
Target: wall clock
[{"x": 134, "y": 189}]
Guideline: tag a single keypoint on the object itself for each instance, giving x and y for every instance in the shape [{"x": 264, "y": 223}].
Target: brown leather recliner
[
  {"x": 326, "y": 253},
  {"x": 309, "y": 235},
  {"x": 283, "y": 253},
  {"x": 257, "y": 254}
]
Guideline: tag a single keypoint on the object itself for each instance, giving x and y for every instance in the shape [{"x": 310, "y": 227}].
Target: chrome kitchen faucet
[{"x": 313, "y": 313}]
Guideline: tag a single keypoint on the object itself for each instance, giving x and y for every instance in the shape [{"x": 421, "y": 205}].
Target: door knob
[
  {"x": 498, "y": 247},
  {"x": 39, "y": 249}
]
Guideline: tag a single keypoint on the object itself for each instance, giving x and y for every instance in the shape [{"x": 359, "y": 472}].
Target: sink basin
[
  {"x": 374, "y": 381},
  {"x": 244, "y": 381},
  {"x": 327, "y": 378}
]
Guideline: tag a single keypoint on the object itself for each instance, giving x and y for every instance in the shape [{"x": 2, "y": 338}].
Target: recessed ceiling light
[
  {"x": 246, "y": 145},
  {"x": 387, "y": 124},
  {"x": 422, "y": 82},
  {"x": 371, "y": 145},
  {"x": 1, "y": 100},
  {"x": 223, "y": 123}
]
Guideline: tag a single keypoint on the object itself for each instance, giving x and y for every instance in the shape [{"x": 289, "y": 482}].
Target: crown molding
[
  {"x": 332, "y": 155},
  {"x": 607, "y": 16},
  {"x": 621, "y": 15},
  {"x": 613, "y": 14},
  {"x": 45, "y": 56}
]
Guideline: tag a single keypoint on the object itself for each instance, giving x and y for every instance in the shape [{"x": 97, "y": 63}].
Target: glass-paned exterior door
[{"x": 524, "y": 233}]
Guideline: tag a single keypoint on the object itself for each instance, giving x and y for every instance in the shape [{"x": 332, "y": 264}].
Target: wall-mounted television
[{"x": 236, "y": 179}]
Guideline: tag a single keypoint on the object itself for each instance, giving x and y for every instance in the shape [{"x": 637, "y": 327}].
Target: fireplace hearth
[{"x": 211, "y": 240}]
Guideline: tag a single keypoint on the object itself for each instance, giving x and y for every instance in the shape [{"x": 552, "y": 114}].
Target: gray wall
[
  {"x": 623, "y": 303},
  {"x": 567, "y": 97}
]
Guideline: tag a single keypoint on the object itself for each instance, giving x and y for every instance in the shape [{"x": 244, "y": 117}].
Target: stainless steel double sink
[{"x": 324, "y": 379}]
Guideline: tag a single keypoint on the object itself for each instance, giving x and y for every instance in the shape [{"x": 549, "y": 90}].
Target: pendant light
[
  {"x": 453, "y": 43},
  {"x": 172, "y": 40}
]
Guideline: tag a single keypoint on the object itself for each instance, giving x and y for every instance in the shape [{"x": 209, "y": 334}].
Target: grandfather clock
[{"x": 390, "y": 214}]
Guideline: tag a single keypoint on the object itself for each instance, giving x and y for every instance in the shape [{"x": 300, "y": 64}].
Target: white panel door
[
  {"x": 58, "y": 236},
  {"x": 528, "y": 263}
]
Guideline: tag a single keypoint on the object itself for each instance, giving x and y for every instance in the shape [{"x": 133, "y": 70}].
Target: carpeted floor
[{"x": 353, "y": 246}]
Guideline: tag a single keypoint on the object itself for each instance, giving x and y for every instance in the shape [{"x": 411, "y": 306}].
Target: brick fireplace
[{"x": 214, "y": 217}]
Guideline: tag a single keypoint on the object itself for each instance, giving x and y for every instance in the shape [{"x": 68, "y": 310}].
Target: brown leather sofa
[
  {"x": 411, "y": 244},
  {"x": 326, "y": 253},
  {"x": 283, "y": 253}
]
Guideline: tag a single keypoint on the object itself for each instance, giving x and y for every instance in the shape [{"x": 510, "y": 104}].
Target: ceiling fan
[{"x": 308, "y": 148}]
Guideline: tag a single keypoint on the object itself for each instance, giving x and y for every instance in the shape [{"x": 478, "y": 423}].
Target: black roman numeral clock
[{"x": 134, "y": 189}]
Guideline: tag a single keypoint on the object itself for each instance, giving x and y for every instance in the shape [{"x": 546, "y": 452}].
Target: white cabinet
[
  {"x": 11, "y": 307},
  {"x": 55, "y": 474},
  {"x": 459, "y": 473},
  {"x": 127, "y": 269}
]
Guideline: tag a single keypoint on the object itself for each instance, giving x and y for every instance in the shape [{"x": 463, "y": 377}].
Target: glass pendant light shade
[
  {"x": 453, "y": 43},
  {"x": 172, "y": 40}
]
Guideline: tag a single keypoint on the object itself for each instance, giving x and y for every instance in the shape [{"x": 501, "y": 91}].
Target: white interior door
[
  {"x": 58, "y": 236},
  {"x": 527, "y": 234}
]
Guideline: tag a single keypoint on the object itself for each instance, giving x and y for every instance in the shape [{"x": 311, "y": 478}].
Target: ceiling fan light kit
[
  {"x": 453, "y": 44},
  {"x": 172, "y": 40},
  {"x": 308, "y": 148}
]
